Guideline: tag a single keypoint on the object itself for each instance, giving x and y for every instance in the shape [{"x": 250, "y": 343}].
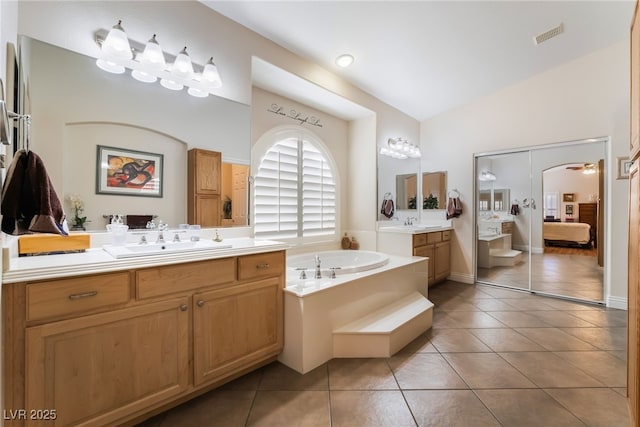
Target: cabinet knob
[
  {"x": 184, "y": 307},
  {"x": 200, "y": 303}
]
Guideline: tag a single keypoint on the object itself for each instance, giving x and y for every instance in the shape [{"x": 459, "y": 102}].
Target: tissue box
[{"x": 46, "y": 243}]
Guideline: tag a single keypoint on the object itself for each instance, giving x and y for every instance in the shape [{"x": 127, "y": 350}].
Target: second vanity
[
  {"x": 93, "y": 340},
  {"x": 431, "y": 242}
]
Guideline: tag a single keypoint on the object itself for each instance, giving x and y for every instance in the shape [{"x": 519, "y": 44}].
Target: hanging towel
[
  {"x": 515, "y": 209},
  {"x": 454, "y": 207},
  {"x": 387, "y": 208},
  {"x": 29, "y": 201}
]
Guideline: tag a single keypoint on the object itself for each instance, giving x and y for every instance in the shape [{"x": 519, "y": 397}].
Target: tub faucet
[{"x": 318, "y": 271}]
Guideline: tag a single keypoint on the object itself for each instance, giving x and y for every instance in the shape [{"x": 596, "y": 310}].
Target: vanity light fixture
[
  {"x": 399, "y": 148},
  {"x": 149, "y": 64},
  {"x": 344, "y": 60}
]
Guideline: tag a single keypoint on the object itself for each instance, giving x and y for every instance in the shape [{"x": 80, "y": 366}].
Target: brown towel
[
  {"x": 29, "y": 201},
  {"x": 387, "y": 208},
  {"x": 454, "y": 207}
]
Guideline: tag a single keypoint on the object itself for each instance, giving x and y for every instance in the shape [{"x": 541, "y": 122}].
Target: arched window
[{"x": 295, "y": 189}]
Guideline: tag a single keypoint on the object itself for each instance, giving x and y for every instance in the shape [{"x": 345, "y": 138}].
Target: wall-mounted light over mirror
[
  {"x": 147, "y": 63},
  {"x": 399, "y": 148}
]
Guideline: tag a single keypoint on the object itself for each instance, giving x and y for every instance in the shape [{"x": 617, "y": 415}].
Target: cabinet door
[
  {"x": 635, "y": 85},
  {"x": 633, "y": 346},
  {"x": 429, "y": 252},
  {"x": 207, "y": 211},
  {"x": 207, "y": 169},
  {"x": 96, "y": 369},
  {"x": 442, "y": 262},
  {"x": 235, "y": 327}
]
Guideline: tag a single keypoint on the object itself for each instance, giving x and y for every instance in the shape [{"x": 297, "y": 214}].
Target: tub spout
[{"x": 318, "y": 271}]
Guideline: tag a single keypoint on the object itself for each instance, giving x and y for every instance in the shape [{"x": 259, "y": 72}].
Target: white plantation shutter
[{"x": 294, "y": 192}]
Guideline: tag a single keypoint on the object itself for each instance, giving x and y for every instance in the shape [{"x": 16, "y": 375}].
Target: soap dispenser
[
  {"x": 346, "y": 242},
  {"x": 354, "y": 244}
]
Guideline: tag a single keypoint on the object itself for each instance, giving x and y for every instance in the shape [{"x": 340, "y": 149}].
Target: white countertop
[
  {"x": 413, "y": 229},
  {"x": 96, "y": 260}
]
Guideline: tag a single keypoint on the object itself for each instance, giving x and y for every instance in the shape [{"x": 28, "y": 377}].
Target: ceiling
[{"x": 426, "y": 57}]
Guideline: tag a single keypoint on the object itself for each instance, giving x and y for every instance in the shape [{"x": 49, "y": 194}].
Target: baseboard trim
[
  {"x": 462, "y": 278},
  {"x": 617, "y": 302}
]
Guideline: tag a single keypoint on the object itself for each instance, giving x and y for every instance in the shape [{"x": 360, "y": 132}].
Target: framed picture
[
  {"x": 568, "y": 209},
  {"x": 568, "y": 197},
  {"x": 128, "y": 172},
  {"x": 624, "y": 165}
]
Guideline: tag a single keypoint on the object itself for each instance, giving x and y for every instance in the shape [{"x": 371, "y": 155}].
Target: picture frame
[
  {"x": 568, "y": 197},
  {"x": 125, "y": 172},
  {"x": 624, "y": 165},
  {"x": 568, "y": 209}
]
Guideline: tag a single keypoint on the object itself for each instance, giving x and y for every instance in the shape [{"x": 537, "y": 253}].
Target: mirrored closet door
[{"x": 540, "y": 219}]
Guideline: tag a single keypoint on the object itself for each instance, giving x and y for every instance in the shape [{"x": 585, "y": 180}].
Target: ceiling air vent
[{"x": 543, "y": 37}]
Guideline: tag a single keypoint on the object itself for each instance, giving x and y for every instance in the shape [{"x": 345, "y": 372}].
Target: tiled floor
[{"x": 493, "y": 357}]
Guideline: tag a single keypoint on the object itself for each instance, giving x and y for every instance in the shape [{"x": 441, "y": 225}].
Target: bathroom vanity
[
  {"x": 431, "y": 242},
  {"x": 93, "y": 340}
]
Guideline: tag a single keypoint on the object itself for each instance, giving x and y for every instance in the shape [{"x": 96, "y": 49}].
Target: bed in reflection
[{"x": 567, "y": 234}]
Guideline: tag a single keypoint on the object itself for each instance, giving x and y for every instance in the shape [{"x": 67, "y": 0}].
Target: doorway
[{"x": 540, "y": 219}]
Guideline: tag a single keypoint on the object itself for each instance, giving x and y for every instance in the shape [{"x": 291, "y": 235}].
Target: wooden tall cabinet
[
  {"x": 588, "y": 214},
  {"x": 633, "y": 338},
  {"x": 204, "y": 171}
]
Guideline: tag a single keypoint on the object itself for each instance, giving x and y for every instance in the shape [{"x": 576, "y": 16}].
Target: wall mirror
[
  {"x": 496, "y": 200},
  {"x": 434, "y": 188},
  {"x": 398, "y": 177},
  {"x": 75, "y": 107}
]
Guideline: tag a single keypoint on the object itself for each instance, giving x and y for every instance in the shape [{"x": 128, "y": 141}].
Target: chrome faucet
[
  {"x": 318, "y": 271},
  {"x": 161, "y": 228}
]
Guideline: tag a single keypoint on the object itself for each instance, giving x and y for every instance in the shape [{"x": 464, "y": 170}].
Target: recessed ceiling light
[{"x": 344, "y": 60}]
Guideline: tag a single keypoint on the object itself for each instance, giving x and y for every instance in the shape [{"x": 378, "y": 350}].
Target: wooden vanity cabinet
[
  {"x": 437, "y": 247},
  {"x": 204, "y": 176},
  {"x": 203, "y": 324}
]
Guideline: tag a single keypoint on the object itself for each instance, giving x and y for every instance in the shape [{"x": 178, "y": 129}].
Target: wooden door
[
  {"x": 98, "y": 368},
  {"x": 633, "y": 342},
  {"x": 235, "y": 327},
  {"x": 240, "y": 195},
  {"x": 634, "y": 139}
]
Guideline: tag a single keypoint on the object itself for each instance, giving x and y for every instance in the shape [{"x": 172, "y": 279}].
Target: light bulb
[
  {"x": 109, "y": 66},
  {"x": 182, "y": 66},
  {"x": 116, "y": 43},
  {"x": 153, "y": 54},
  {"x": 210, "y": 75}
]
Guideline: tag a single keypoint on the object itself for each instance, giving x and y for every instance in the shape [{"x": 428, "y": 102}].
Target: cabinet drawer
[
  {"x": 261, "y": 265},
  {"x": 446, "y": 235},
  {"x": 419, "y": 240},
  {"x": 507, "y": 228},
  {"x": 152, "y": 282},
  {"x": 55, "y": 298},
  {"x": 434, "y": 237}
]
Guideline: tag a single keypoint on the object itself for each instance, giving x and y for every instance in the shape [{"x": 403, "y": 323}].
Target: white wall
[{"x": 584, "y": 98}]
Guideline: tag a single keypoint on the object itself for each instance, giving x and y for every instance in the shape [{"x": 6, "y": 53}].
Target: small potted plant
[
  {"x": 430, "y": 202},
  {"x": 77, "y": 205}
]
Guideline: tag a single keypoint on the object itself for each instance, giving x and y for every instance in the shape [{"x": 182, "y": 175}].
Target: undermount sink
[{"x": 135, "y": 250}]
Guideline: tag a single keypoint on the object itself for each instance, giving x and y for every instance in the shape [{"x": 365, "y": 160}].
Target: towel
[
  {"x": 387, "y": 208},
  {"x": 29, "y": 201},
  {"x": 515, "y": 209},
  {"x": 454, "y": 207}
]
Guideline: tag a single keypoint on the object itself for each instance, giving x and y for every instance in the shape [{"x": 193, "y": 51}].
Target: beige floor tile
[
  {"x": 452, "y": 304},
  {"x": 525, "y": 304},
  {"x": 425, "y": 371},
  {"x": 505, "y": 340},
  {"x": 598, "y": 407},
  {"x": 524, "y": 408},
  {"x": 218, "y": 408},
  {"x": 493, "y": 304},
  {"x": 466, "y": 319},
  {"x": 503, "y": 293},
  {"x": 622, "y": 391},
  {"x": 546, "y": 369},
  {"x": 487, "y": 370},
  {"x": 361, "y": 374},
  {"x": 422, "y": 344},
  {"x": 449, "y": 408},
  {"x": 289, "y": 408},
  {"x": 600, "y": 365},
  {"x": 277, "y": 376},
  {"x": 554, "y": 339},
  {"x": 457, "y": 340},
  {"x": 605, "y": 319},
  {"x": 561, "y": 319},
  {"x": 519, "y": 319},
  {"x": 602, "y": 338},
  {"x": 565, "y": 305},
  {"x": 369, "y": 408},
  {"x": 250, "y": 381}
]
